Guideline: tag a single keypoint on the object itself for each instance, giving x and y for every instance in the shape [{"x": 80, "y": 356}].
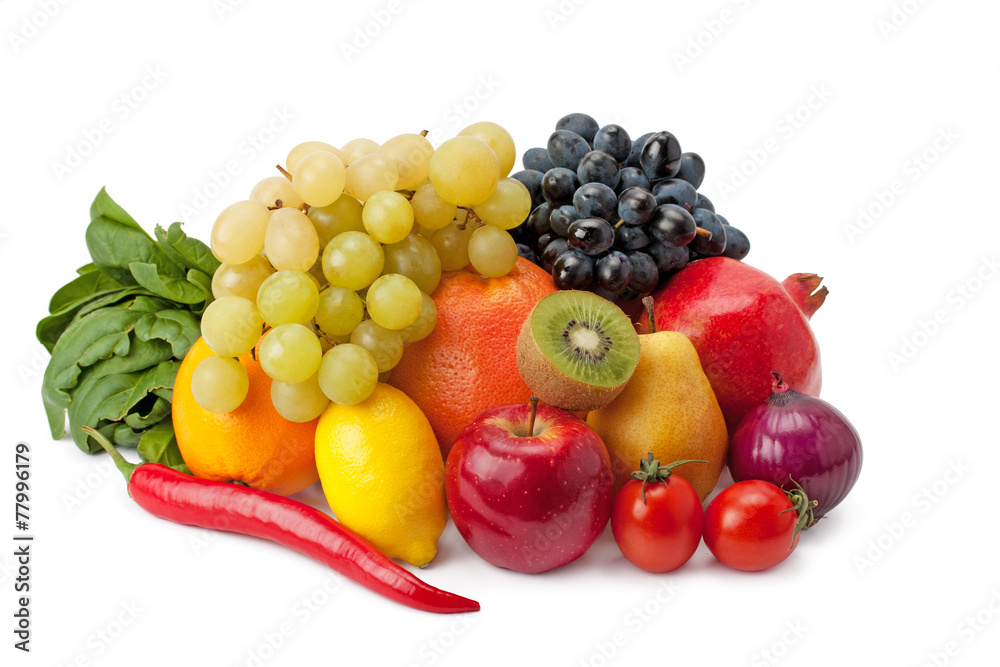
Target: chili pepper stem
[{"x": 124, "y": 466}]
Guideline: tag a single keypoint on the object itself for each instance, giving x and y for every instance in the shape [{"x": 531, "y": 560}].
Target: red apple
[{"x": 525, "y": 500}]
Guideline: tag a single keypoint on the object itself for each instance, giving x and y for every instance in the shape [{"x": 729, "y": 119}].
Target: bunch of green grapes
[{"x": 327, "y": 269}]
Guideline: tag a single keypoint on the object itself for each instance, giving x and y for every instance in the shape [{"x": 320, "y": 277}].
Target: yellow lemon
[{"x": 383, "y": 474}]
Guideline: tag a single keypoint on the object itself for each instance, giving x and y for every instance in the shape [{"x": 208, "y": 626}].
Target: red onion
[{"x": 797, "y": 437}]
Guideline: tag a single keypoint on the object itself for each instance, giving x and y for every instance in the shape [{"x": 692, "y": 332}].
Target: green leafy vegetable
[{"x": 118, "y": 331}]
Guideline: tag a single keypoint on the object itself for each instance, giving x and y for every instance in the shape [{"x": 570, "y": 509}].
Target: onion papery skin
[{"x": 798, "y": 437}]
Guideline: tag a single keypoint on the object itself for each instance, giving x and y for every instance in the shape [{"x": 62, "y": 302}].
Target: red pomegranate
[{"x": 744, "y": 324}]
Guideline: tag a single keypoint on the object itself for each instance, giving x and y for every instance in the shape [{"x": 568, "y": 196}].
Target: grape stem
[
  {"x": 470, "y": 215},
  {"x": 424, "y": 133},
  {"x": 701, "y": 231},
  {"x": 619, "y": 223},
  {"x": 284, "y": 172},
  {"x": 277, "y": 204}
]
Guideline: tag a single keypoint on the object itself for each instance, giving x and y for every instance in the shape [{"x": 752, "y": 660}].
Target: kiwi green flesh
[{"x": 586, "y": 337}]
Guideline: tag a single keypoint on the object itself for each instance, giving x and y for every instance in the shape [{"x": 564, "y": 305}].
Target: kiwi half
[{"x": 576, "y": 350}]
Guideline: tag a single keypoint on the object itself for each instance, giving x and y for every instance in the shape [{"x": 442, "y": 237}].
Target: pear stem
[
  {"x": 531, "y": 420},
  {"x": 648, "y": 303}
]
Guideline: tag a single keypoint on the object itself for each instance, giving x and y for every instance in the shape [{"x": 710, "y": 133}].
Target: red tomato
[
  {"x": 662, "y": 532},
  {"x": 748, "y": 528}
]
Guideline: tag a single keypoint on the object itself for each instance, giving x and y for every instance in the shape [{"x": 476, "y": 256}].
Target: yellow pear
[{"x": 668, "y": 408}]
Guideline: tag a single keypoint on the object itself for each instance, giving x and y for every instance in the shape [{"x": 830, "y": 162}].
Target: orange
[
  {"x": 252, "y": 444},
  {"x": 469, "y": 362}
]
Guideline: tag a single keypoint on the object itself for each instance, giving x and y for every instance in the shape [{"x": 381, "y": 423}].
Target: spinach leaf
[
  {"x": 171, "y": 287},
  {"x": 186, "y": 251},
  {"x": 158, "y": 445}
]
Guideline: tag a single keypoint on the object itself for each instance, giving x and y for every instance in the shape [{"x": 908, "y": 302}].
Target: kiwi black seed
[{"x": 577, "y": 350}]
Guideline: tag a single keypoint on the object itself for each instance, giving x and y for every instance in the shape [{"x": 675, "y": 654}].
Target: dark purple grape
[
  {"x": 527, "y": 252},
  {"x": 612, "y": 272},
  {"x": 660, "y": 157},
  {"x": 692, "y": 169},
  {"x": 614, "y": 140},
  {"x": 704, "y": 202},
  {"x": 537, "y": 158},
  {"x": 668, "y": 259},
  {"x": 596, "y": 200},
  {"x": 675, "y": 191},
  {"x": 538, "y": 219},
  {"x": 636, "y": 205},
  {"x": 737, "y": 243},
  {"x": 593, "y": 236},
  {"x": 632, "y": 177},
  {"x": 561, "y": 218},
  {"x": 628, "y": 294},
  {"x": 722, "y": 220},
  {"x": 573, "y": 270},
  {"x": 633, "y": 157},
  {"x": 631, "y": 238},
  {"x": 566, "y": 149},
  {"x": 531, "y": 179},
  {"x": 543, "y": 241},
  {"x": 580, "y": 123},
  {"x": 645, "y": 274},
  {"x": 672, "y": 225},
  {"x": 558, "y": 186},
  {"x": 708, "y": 246},
  {"x": 556, "y": 247},
  {"x": 598, "y": 167}
]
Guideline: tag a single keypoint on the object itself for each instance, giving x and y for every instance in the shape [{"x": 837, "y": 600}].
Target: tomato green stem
[
  {"x": 803, "y": 507},
  {"x": 651, "y": 470}
]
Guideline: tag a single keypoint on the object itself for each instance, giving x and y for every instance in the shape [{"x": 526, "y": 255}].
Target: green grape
[
  {"x": 464, "y": 171},
  {"x": 219, "y": 384},
  {"x": 452, "y": 245},
  {"x": 430, "y": 210},
  {"x": 307, "y": 147},
  {"x": 387, "y": 216},
  {"x": 290, "y": 353},
  {"x": 231, "y": 326},
  {"x": 348, "y": 374},
  {"x": 319, "y": 178},
  {"x": 238, "y": 232},
  {"x": 290, "y": 241},
  {"x": 288, "y": 297},
  {"x": 299, "y": 402},
  {"x": 412, "y": 155},
  {"x": 492, "y": 251},
  {"x": 415, "y": 258},
  {"x": 507, "y": 207},
  {"x": 386, "y": 346},
  {"x": 424, "y": 324},
  {"x": 357, "y": 148},
  {"x": 241, "y": 279},
  {"x": 343, "y": 215},
  {"x": 370, "y": 174},
  {"x": 273, "y": 189},
  {"x": 340, "y": 311},
  {"x": 393, "y": 301},
  {"x": 384, "y": 377},
  {"x": 498, "y": 139},
  {"x": 352, "y": 260}
]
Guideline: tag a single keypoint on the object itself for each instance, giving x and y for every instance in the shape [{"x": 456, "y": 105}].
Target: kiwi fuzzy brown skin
[{"x": 551, "y": 385}]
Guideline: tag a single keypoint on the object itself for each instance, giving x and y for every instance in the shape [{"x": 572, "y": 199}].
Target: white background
[{"x": 841, "y": 102}]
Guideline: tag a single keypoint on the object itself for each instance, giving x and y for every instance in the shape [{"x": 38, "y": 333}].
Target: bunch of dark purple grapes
[{"x": 614, "y": 215}]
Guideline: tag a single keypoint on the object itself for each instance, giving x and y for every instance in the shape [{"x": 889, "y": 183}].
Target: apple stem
[
  {"x": 648, "y": 303},
  {"x": 531, "y": 420}
]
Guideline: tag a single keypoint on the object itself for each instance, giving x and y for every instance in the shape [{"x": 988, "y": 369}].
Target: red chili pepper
[{"x": 180, "y": 498}]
